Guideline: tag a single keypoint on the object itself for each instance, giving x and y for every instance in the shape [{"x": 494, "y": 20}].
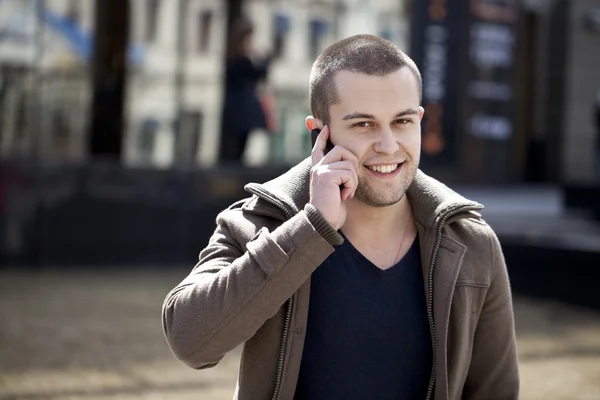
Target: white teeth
[{"x": 384, "y": 169}]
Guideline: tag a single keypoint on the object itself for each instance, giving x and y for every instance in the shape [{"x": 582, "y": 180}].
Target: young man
[{"x": 354, "y": 275}]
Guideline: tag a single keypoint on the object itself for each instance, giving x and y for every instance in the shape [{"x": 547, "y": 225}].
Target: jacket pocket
[{"x": 469, "y": 297}]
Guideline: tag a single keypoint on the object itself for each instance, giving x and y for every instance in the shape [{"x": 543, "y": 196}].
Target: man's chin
[
  {"x": 379, "y": 203},
  {"x": 376, "y": 197}
]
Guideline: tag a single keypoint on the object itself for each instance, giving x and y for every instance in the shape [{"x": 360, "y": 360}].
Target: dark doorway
[
  {"x": 530, "y": 146},
  {"x": 109, "y": 75}
]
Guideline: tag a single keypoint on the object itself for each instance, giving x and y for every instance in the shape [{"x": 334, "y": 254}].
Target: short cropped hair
[{"x": 367, "y": 54}]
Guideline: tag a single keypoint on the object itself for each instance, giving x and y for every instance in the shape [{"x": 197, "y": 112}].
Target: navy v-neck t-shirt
[{"x": 368, "y": 331}]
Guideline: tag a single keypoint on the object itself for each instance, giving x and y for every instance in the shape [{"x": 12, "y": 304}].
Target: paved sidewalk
[{"x": 96, "y": 335}]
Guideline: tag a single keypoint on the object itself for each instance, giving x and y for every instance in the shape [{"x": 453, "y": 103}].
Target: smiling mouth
[{"x": 384, "y": 169}]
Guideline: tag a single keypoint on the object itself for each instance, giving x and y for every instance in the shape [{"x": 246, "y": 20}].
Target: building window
[
  {"x": 318, "y": 30},
  {"x": 147, "y": 139},
  {"x": 282, "y": 24},
  {"x": 205, "y": 20},
  {"x": 152, "y": 8}
]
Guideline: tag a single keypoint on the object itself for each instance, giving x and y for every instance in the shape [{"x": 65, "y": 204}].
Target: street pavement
[{"x": 96, "y": 335}]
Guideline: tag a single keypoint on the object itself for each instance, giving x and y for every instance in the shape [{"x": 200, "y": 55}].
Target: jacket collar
[{"x": 430, "y": 199}]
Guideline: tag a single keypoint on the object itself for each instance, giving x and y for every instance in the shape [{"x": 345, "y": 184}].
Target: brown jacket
[{"x": 252, "y": 286}]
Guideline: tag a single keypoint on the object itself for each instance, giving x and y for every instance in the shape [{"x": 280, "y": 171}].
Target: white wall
[{"x": 152, "y": 91}]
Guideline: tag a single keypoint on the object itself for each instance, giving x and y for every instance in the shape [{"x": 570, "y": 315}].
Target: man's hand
[{"x": 337, "y": 168}]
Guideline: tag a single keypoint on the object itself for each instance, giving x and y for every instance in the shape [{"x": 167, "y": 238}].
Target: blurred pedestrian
[
  {"x": 354, "y": 275},
  {"x": 243, "y": 110}
]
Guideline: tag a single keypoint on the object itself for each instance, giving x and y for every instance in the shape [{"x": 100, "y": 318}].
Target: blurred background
[{"x": 124, "y": 130}]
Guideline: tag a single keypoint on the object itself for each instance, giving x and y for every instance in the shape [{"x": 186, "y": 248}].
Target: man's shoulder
[
  {"x": 473, "y": 228},
  {"x": 482, "y": 247}
]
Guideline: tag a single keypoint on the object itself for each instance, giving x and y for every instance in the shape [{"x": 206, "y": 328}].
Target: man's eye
[
  {"x": 403, "y": 121},
  {"x": 363, "y": 124}
]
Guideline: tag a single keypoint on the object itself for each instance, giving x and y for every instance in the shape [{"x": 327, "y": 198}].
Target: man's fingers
[
  {"x": 348, "y": 179},
  {"x": 339, "y": 158},
  {"x": 345, "y": 165},
  {"x": 318, "y": 151},
  {"x": 340, "y": 153},
  {"x": 347, "y": 193},
  {"x": 341, "y": 165}
]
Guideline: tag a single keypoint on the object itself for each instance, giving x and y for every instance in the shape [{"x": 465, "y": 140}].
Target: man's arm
[
  {"x": 493, "y": 373},
  {"x": 232, "y": 290}
]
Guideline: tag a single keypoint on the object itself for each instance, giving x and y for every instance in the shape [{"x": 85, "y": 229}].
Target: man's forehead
[
  {"x": 403, "y": 71},
  {"x": 402, "y": 78},
  {"x": 399, "y": 86}
]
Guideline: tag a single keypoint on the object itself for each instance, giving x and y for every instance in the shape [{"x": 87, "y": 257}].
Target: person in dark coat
[{"x": 242, "y": 111}]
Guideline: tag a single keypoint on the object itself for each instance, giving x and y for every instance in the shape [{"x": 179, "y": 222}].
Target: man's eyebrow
[
  {"x": 358, "y": 115},
  {"x": 408, "y": 111}
]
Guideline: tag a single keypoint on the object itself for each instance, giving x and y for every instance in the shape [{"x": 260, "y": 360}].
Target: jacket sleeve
[
  {"x": 493, "y": 373},
  {"x": 235, "y": 288}
]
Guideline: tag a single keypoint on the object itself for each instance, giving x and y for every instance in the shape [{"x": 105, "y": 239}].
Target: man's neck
[{"x": 363, "y": 221}]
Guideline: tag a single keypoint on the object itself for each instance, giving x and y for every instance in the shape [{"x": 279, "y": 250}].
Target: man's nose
[{"x": 387, "y": 142}]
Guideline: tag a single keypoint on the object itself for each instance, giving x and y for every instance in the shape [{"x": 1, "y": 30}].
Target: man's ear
[
  {"x": 313, "y": 123},
  {"x": 421, "y": 113}
]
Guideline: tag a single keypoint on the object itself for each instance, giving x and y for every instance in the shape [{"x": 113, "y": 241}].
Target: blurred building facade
[
  {"x": 518, "y": 86},
  {"x": 43, "y": 80},
  {"x": 304, "y": 27},
  {"x": 509, "y": 89},
  {"x": 558, "y": 78},
  {"x": 176, "y": 54},
  {"x": 176, "y": 51}
]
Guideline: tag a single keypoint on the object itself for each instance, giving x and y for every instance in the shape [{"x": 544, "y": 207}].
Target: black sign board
[
  {"x": 434, "y": 48},
  {"x": 466, "y": 54},
  {"x": 488, "y": 87}
]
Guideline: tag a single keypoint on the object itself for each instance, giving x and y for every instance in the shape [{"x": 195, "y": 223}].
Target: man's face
[{"x": 378, "y": 119}]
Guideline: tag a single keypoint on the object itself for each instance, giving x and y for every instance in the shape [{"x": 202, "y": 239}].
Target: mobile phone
[{"x": 314, "y": 133}]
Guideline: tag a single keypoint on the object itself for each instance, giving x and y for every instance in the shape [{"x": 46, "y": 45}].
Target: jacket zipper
[
  {"x": 430, "y": 283},
  {"x": 290, "y": 302},
  {"x": 286, "y": 326}
]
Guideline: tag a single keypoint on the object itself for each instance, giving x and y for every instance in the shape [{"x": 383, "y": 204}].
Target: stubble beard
[{"x": 386, "y": 197}]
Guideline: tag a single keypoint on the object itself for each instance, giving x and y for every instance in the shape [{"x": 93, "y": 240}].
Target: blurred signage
[
  {"x": 434, "y": 50},
  {"x": 466, "y": 55},
  {"x": 488, "y": 106},
  {"x": 495, "y": 10}
]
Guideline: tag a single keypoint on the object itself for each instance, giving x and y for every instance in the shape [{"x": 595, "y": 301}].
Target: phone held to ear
[
  {"x": 314, "y": 133},
  {"x": 328, "y": 147}
]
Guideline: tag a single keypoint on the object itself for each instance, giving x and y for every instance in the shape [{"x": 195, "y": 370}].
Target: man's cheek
[{"x": 413, "y": 143}]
